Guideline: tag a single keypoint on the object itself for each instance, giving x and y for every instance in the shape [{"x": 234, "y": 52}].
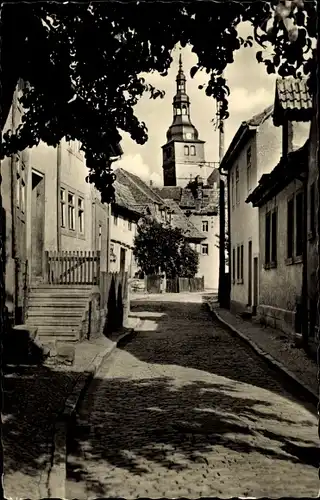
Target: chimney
[{"x": 151, "y": 184}]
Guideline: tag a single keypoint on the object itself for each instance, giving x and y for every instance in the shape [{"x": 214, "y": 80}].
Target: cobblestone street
[{"x": 184, "y": 409}]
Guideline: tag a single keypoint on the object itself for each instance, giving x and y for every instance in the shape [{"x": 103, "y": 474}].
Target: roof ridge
[{"x": 132, "y": 177}]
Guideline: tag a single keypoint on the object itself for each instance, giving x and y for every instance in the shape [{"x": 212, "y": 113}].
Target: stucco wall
[
  {"x": 281, "y": 285},
  {"x": 73, "y": 172},
  {"x": 208, "y": 264},
  {"x": 266, "y": 147},
  {"x": 7, "y": 216},
  {"x": 312, "y": 241},
  {"x": 121, "y": 236},
  {"x": 188, "y": 166}
]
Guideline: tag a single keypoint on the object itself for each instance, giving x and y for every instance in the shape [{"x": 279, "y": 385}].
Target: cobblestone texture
[
  {"x": 185, "y": 410},
  {"x": 33, "y": 398},
  {"x": 280, "y": 345}
]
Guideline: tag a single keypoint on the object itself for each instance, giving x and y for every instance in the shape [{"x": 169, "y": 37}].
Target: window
[
  {"x": 233, "y": 264},
  {"x": 241, "y": 263},
  {"x": 100, "y": 238},
  {"x": 130, "y": 225},
  {"x": 205, "y": 249},
  {"x": 271, "y": 231},
  {"x": 205, "y": 226},
  {"x": 184, "y": 110},
  {"x": 267, "y": 239},
  {"x": 299, "y": 224},
  {"x": 115, "y": 220},
  {"x": 238, "y": 263},
  {"x": 81, "y": 215},
  {"x": 237, "y": 185},
  {"x": 186, "y": 150},
  {"x": 232, "y": 189},
  {"x": 71, "y": 212},
  {"x": 274, "y": 231},
  {"x": 249, "y": 169},
  {"x": 312, "y": 211},
  {"x": 180, "y": 86},
  {"x": 23, "y": 196},
  {"x": 192, "y": 150},
  {"x": 178, "y": 111},
  {"x": 290, "y": 227}
]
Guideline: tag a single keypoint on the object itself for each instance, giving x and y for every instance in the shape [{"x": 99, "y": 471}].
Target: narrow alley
[{"x": 184, "y": 409}]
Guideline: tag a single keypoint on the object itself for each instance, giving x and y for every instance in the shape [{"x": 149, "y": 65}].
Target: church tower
[{"x": 183, "y": 153}]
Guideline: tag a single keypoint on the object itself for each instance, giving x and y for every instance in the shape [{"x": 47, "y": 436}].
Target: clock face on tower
[{"x": 188, "y": 135}]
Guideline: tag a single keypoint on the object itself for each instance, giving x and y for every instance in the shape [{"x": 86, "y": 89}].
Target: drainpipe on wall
[
  {"x": 58, "y": 197},
  {"x": 222, "y": 271},
  {"x": 108, "y": 236}
]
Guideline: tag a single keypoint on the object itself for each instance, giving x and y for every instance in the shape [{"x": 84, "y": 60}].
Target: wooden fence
[
  {"x": 72, "y": 268},
  {"x": 180, "y": 285}
]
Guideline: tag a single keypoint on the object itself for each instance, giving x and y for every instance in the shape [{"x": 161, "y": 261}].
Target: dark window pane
[
  {"x": 290, "y": 225},
  {"x": 267, "y": 238},
  {"x": 274, "y": 236},
  {"x": 299, "y": 223}
]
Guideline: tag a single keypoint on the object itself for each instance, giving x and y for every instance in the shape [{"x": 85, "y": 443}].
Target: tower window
[
  {"x": 180, "y": 86},
  {"x": 192, "y": 150},
  {"x": 178, "y": 111},
  {"x": 186, "y": 150},
  {"x": 184, "y": 110}
]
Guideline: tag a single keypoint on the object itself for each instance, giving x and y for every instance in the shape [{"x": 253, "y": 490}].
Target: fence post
[{"x": 98, "y": 267}]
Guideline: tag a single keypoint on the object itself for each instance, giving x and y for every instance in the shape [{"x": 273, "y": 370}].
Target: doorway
[
  {"x": 122, "y": 259},
  {"x": 255, "y": 284},
  {"x": 250, "y": 273},
  {"x": 37, "y": 226}
]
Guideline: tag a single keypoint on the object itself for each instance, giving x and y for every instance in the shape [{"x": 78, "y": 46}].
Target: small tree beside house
[{"x": 160, "y": 248}]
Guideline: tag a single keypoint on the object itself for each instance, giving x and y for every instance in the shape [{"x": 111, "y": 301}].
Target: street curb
[
  {"x": 56, "y": 477},
  {"x": 307, "y": 392}
]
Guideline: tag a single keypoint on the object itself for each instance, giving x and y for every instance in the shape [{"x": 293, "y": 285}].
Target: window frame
[
  {"x": 204, "y": 246},
  {"x": 271, "y": 238},
  {"x": 186, "y": 150},
  {"x": 205, "y": 224},
  {"x": 71, "y": 211},
  {"x": 80, "y": 214},
  {"x": 63, "y": 208},
  {"x": 192, "y": 150}
]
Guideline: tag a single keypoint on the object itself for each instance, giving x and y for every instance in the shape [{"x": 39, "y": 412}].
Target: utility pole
[{"x": 222, "y": 216}]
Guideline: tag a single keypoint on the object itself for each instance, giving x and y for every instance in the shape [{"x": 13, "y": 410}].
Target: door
[
  {"x": 20, "y": 241},
  {"x": 250, "y": 273},
  {"x": 255, "y": 283},
  {"x": 37, "y": 226},
  {"x": 122, "y": 260}
]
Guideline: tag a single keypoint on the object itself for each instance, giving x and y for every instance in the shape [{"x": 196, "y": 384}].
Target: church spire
[{"x": 181, "y": 128}]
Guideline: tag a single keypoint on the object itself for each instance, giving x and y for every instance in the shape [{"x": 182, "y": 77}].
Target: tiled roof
[
  {"x": 172, "y": 192},
  {"x": 123, "y": 195},
  {"x": 179, "y": 220},
  {"x": 139, "y": 189},
  {"x": 293, "y": 99},
  {"x": 259, "y": 118}
]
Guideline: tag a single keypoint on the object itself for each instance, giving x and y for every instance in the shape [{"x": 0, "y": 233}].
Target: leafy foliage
[
  {"x": 161, "y": 247},
  {"x": 189, "y": 262},
  {"x": 226, "y": 246},
  {"x": 83, "y": 62}
]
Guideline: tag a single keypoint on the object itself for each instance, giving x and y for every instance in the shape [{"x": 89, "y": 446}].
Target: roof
[
  {"x": 179, "y": 220},
  {"x": 293, "y": 100},
  {"x": 184, "y": 198},
  {"x": 140, "y": 191},
  {"x": 172, "y": 192},
  {"x": 285, "y": 171},
  {"x": 243, "y": 134}
]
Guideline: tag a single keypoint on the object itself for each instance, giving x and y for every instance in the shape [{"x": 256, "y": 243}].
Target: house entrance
[{"x": 37, "y": 226}]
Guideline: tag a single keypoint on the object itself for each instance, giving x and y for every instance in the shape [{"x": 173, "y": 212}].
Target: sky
[{"x": 251, "y": 91}]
